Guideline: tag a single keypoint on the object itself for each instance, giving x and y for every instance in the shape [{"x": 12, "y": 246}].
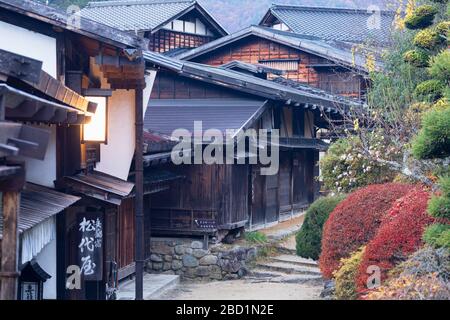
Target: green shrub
[
  {"x": 417, "y": 58},
  {"x": 440, "y": 67},
  {"x": 427, "y": 39},
  {"x": 256, "y": 237},
  {"x": 309, "y": 237},
  {"x": 439, "y": 207},
  {"x": 433, "y": 140},
  {"x": 345, "y": 277},
  {"x": 421, "y": 18},
  {"x": 438, "y": 235},
  {"x": 430, "y": 90},
  {"x": 443, "y": 28}
]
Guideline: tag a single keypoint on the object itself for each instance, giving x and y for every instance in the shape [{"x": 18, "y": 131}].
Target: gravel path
[{"x": 243, "y": 290}]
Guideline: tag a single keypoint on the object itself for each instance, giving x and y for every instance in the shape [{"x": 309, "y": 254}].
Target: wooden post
[
  {"x": 9, "y": 272},
  {"x": 139, "y": 194},
  {"x": 205, "y": 241}
]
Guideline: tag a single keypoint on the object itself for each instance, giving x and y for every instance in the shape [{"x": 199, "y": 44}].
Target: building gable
[
  {"x": 371, "y": 25},
  {"x": 152, "y": 15}
]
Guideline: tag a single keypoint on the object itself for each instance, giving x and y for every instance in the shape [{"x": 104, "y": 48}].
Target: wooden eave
[
  {"x": 56, "y": 18},
  {"x": 26, "y": 107}
]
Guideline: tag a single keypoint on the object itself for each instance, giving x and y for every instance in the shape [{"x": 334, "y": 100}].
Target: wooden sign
[
  {"x": 206, "y": 224},
  {"x": 90, "y": 245}
]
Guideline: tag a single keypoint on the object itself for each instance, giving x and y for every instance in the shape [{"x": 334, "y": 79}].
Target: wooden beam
[
  {"x": 9, "y": 273},
  {"x": 139, "y": 194},
  {"x": 7, "y": 171},
  {"x": 20, "y": 67}
]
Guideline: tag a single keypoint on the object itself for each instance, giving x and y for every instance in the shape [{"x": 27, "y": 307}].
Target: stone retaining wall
[{"x": 188, "y": 259}]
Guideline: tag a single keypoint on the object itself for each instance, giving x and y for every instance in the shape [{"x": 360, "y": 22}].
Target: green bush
[
  {"x": 439, "y": 207},
  {"x": 440, "y": 67},
  {"x": 438, "y": 236},
  {"x": 309, "y": 237},
  {"x": 345, "y": 277},
  {"x": 443, "y": 28},
  {"x": 433, "y": 140},
  {"x": 430, "y": 90},
  {"x": 427, "y": 39},
  {"x": 422, "y": 17},
  {"x": 417, "y": 58},
  {"x": 256, "y": 237}
]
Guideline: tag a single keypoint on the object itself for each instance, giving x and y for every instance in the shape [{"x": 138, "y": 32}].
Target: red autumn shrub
[
  {"x": 355, "y": 221},
  {"x": 399, "y": 235}
]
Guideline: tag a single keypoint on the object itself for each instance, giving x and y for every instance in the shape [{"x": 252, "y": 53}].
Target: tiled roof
[
  {"x": 336, "y": 51},
  {"x": 350, "y": 25},
  {"x": 165, "y": 116},
  {"x": 39, "y": 204},
  {"x": 56, "y": 17},
  {"x": 139, "y": 15},
  {"x": 311, "y": 98}
]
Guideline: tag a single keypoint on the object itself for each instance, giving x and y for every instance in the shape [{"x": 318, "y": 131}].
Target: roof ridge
[
  {"x": 96, "y": 4},
  {"x": 324, "y": 8}
]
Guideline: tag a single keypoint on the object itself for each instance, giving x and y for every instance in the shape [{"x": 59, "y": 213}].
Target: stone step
[
  {"x": 296, "y": 260},
  {"x": 287, "y": 251},
  {"x": 154, "y": 286},
  {"x": 262, "y": 275},
  {"x": 288, "y": 268}
]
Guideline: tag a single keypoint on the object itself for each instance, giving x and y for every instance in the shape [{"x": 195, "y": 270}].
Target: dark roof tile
[
  {"x": 343, "y": 24},
  {"x": 143, "y": 15}
]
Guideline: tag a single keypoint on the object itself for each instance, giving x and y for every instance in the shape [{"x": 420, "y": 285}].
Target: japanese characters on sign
[
  {"x": 90, "y": 245},
  {"x": 29, "y": 291},
  {"x": 206, "y": 224}
]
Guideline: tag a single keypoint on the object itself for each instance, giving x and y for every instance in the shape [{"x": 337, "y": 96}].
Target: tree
[{"x": 413, "y": 82}]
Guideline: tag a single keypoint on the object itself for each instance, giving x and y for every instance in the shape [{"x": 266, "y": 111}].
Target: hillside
[{"x": 237, "y": 14}]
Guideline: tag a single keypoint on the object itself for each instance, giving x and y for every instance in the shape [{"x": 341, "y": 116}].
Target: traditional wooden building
[
  {"x": 333, "y": 66},
  {"x": 226, "y": 197},
  {"x": 171, "y": 26},
  {"x": 87, "y": 97},
  {"x": 371, "y": 26}
]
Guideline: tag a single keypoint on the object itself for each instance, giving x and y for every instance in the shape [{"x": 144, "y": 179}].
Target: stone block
[
  {"x": 202, "y": 271},
  {"x": 190, "y": 261},
  {"x": 156, "y": 258},
  {"x": 177, "y": 265},
  {"x": 196, "y": 245},
  {"x": 180, "y": 250},
  {"x": 199, "y": 253},
  {"x": 208, "y": 260}
]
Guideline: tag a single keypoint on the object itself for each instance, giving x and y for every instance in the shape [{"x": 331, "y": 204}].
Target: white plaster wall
[
  {"x": 30, "y": 44},
  {"x": 116, "y": 156},
  {"x": 43, "y": 172},
  {"x": 149, "y": 82},
  {"x": 47, "y": 260}
]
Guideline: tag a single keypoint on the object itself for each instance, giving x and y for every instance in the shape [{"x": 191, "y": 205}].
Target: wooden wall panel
[
  {"x": 166, "y": 40},
  {"x": 126, "y": 247},
  {"x": 239, "y": 192},
  {"x": 284, "y": 190},
  {"x": 254, "y": 49},
  {"x": 173, "y": 87}
]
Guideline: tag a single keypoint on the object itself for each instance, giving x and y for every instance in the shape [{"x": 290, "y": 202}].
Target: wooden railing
[{"x": 183, "y": 221}]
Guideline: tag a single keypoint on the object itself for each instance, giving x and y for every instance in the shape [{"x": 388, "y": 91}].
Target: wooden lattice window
[{"x": 282, "y": 64}]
